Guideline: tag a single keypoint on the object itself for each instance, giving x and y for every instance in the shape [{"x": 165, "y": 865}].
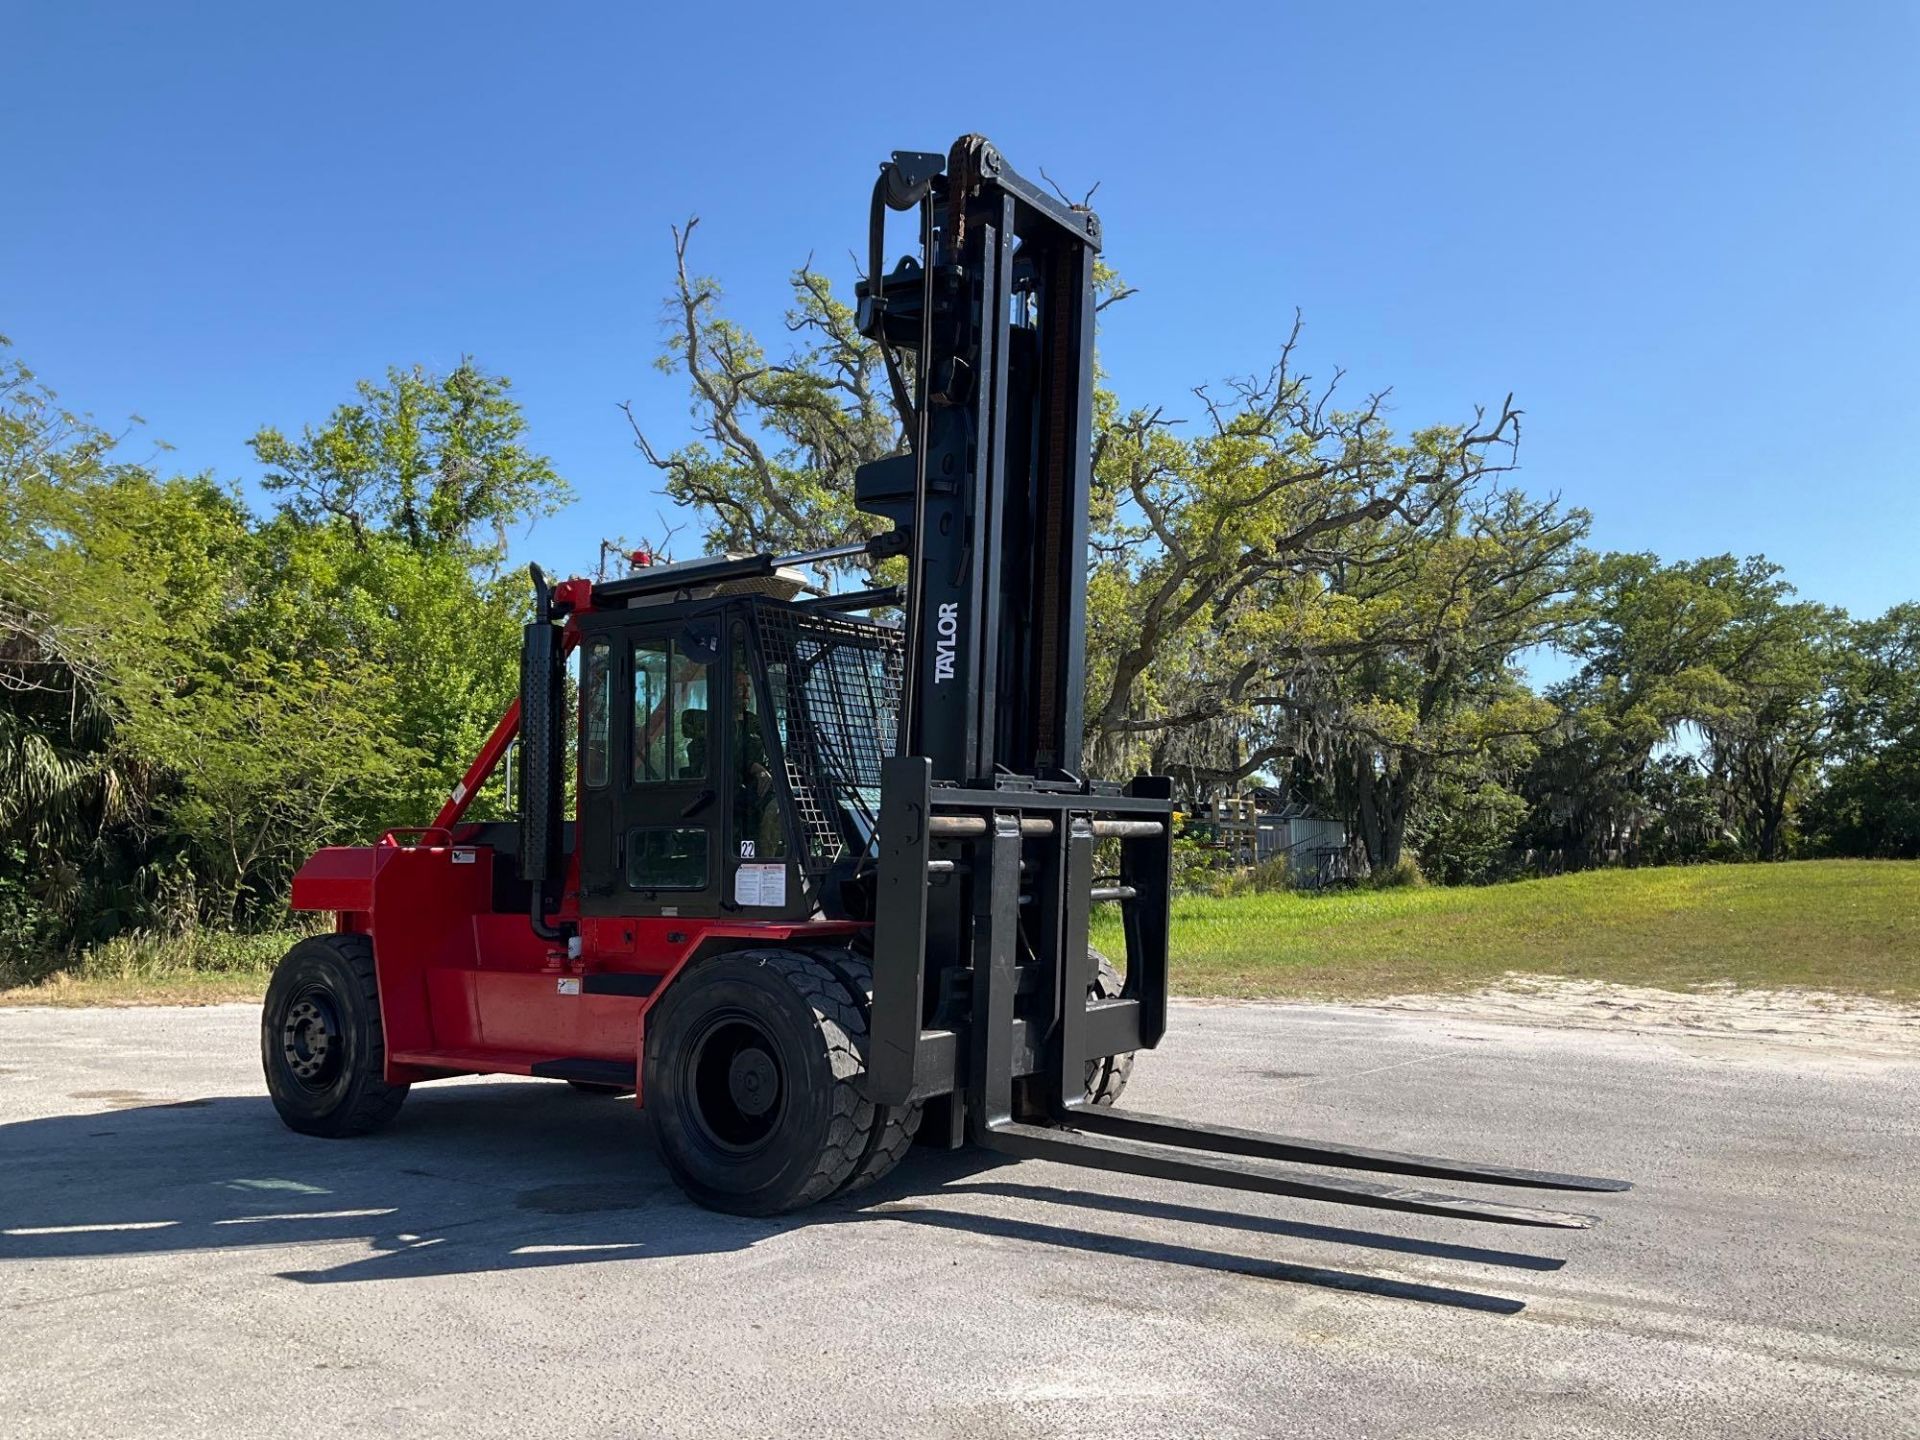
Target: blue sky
[{"x": 1684, "y": 236}]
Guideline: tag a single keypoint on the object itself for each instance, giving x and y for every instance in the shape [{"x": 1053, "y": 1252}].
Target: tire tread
[
  {"x": 894, "y": 1126},
  {"x": 374, "y": 1101},
  {"x": 1107, "y": 1077},
  {"x": 844, "y": 1029}
]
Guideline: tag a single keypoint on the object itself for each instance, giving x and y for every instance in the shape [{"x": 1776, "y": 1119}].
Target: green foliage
[
  {"x": 389, "y": 547},
  {"x": 193, "y": 698},
  {"x": 1686, "y": 817},
  {"x": 74, "y": 857},
  {"x": 435, "y": 461},
  {"x": 161, "y": 964},
  {"x": 1714, "y": 655},
  {"x": 1403, "y": 874},
  {"x": 1871, "y": 802},
  {"x": 1230, "y": 581},
  {"x": 1287, "y": 585},
  {"x": 1463, "y": 827},
  {"x": 1423, "y": 722},
  {"x": 1265, "y": 878},
  {"x": 1193, "y": 862},
  {"x": 267, "y": 755},
  {"x": 778, "y": 442}
]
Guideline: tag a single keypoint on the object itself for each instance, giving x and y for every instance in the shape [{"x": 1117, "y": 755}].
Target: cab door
[{"x": 650, "y": 772}]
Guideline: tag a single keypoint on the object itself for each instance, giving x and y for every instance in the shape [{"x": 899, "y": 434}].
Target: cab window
[
  {"x": 757, "y": 830},
  {"x": 595, "y": 689},
  {"x": 667, "y": 857},
  {"x": 669, "y": 712}
]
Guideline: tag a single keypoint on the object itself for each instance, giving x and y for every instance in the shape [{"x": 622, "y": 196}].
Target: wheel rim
[
  {"x": 735, "y": 1086},
  {"x": 311, "y": 1039}
]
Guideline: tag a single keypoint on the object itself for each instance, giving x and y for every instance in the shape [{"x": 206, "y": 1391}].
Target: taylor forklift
[{"x": 828, "y": 880}]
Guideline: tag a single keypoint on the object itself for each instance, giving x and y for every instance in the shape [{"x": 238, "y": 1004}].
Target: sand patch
[{"x": 1808, "y": 1020}]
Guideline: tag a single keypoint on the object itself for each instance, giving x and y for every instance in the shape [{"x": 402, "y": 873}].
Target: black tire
[
  {"x": 753, "y": 1067},
  {"x": 321, "y": 1043},
  {"x": 1106, "y": 1078},
  {"x": 894, "y": 1126}
]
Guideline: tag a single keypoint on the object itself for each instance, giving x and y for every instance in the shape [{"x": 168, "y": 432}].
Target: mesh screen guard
[{"x": 834, "y": 684}]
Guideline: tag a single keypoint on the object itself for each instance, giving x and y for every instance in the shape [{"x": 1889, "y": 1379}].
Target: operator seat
[{"x": 693, "y": 729}]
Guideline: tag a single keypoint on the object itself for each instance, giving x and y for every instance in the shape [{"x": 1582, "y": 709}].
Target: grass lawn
[
  {"x": 203, "y": 968},
  {"x": 1845, "y": 925},
  {"x": 65, "y": 987}
]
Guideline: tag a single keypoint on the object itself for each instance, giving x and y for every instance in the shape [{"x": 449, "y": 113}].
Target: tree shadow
[{"x": 489, "y": 1176}]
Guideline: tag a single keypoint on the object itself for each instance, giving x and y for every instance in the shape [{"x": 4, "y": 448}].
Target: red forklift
[{"x": 826, "y": 886}]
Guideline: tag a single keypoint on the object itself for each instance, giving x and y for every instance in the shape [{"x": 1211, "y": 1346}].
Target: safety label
[{"x": 760, "y": 885}]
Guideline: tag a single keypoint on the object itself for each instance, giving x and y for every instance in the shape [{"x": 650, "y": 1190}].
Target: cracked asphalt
[{"x": 509, "y": 1259}]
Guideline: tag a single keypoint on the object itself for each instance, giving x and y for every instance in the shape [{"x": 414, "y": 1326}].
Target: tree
[
  {"x": 86, "y": 549},
  {"x": 435, "y": 460},
  {"x": 192, "y": 698},
  {"x": 1423, "y": 706},
  {"x": 1225, "y": 552},
  {"x": 1870, "y": 804},
  {"x": 1208, "y": 548},
  {"x": 390, "y": 546},
  {"x": 153, "y": 583},
  {"x": 267, "y": 752},
  {"x": 1712, "y": 654},
  {"x": 778, "y": 442},
  {"x": 1766, "y": 746}
]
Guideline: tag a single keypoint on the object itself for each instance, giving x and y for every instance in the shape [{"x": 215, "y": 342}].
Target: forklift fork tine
[
  {"x": 1043, "y": 1142},
  {"x": 1161, "y": 1130}
]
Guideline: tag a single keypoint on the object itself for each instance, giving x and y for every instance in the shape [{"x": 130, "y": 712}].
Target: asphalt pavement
[{"x": 509, "y": 1258}]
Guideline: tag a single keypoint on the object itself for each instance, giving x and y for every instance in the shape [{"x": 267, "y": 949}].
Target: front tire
[
  {"x": 321, "y": 1044},
  {"x": 753, "y": 1066},
  {"x": 1108, "y": 1076},
  {"x": 894, "y": 1126}
]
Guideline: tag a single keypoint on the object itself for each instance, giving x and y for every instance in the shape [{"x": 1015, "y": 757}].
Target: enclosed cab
[
  {"x": 729, "y": 757},
  {"x": 728, "y": 737}
]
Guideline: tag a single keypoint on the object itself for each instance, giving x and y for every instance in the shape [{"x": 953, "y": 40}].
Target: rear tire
[
  {"x": 753, "y": 1067},
  {"x": 1106, "y": 1077},
  {"x": 321, "y": 1044}
]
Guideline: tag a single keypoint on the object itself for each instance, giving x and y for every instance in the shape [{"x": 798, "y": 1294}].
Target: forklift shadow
[{"x": 499, "y": 1175}]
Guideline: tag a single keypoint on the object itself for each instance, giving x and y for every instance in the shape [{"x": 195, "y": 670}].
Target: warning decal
[{"x": 760, "y": 885}]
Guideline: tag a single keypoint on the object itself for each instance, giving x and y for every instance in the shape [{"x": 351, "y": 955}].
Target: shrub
[
  {"x": 1405, "y": 875},
  {"x": 1268, "y": 877}
]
